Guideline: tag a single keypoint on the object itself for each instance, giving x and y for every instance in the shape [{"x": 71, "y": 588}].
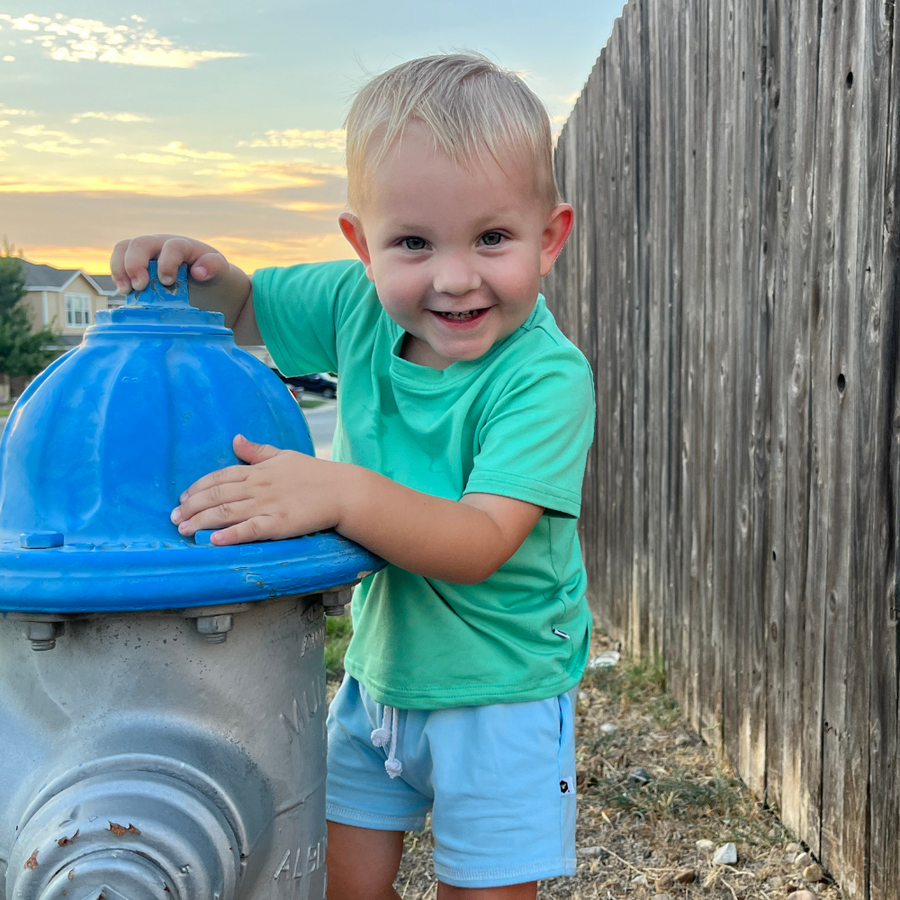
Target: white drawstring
[{"x": 388, "y": 733}]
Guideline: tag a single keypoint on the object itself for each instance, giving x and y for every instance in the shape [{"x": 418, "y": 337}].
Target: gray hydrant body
[{"x": 162, "y": 701}]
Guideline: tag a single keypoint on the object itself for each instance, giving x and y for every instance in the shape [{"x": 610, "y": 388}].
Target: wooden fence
[{"x": 733, "y": 279}]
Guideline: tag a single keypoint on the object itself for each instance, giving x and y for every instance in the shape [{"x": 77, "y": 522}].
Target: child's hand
[
  {"x": 130, "y": 257},
  {"x": 281, "y": 494}
]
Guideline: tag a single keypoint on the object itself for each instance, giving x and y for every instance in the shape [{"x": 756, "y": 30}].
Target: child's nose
[{"x": 455, "y": 276}]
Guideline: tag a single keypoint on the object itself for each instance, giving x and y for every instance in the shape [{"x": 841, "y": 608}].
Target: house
[{"x": 67, "y": 299}]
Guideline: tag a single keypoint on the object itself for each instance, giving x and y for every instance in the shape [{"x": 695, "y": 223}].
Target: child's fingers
[
  {"x": 209, "y": 266},
  {"x": 131, "y": 257},
  {"x": 206, "y": 262},
  {"x": 138, "y": 253},
  {"x": 251, "y": 452},
  {"x": 117, "y": 266},
  {"x": 223, "y": 496},
  {"x": 174, "y": 252},
  {"x": 220, "y": 516},
  {"x": 257, "y": 528},
  {"x": 232, "y": 474}
]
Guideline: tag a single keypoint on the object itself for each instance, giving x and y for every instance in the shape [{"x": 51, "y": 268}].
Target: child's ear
[
  {"x": 556, "y": 232},
  {"x": 353, "y": 231}
]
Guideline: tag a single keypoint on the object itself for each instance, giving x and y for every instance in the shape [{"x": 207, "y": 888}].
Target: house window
[{"x": 78, "y": 310}]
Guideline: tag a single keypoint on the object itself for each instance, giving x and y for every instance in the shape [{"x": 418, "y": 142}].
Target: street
[{"x": 321, "y": 421}]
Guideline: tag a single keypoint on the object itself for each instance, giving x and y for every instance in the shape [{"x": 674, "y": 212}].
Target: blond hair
[{"x": 467, "y": 103}]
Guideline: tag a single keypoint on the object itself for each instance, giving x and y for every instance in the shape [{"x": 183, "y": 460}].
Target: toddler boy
[{"x": 464, "y": 423}]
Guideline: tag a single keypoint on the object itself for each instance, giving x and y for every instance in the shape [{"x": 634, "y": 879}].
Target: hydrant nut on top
[{"x": 164, "y": 698}]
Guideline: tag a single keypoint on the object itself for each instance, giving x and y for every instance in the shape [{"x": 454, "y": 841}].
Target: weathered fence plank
[{"x": 733, "y": 278}]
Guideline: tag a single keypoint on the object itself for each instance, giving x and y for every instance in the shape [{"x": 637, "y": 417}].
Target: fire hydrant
[{"x": 162, "y": 700}]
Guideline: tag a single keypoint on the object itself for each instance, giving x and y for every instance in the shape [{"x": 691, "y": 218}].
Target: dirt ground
[{"x": 648, "y": 791}]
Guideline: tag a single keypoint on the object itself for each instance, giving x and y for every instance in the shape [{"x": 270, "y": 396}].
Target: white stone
[
  {"x": 705, "y": 846},
  {"x": 725, "y": 855},
  {"x": 605, "y": 660},
  {"x": 608, "y": 728}
]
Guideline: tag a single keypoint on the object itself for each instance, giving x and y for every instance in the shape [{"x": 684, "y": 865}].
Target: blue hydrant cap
[{"x": 98, "y": 449}]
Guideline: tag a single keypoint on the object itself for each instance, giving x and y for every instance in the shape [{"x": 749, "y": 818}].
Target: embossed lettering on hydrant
[
  {"x": 312, "y": 639},
  {"x": 305, "y": 863},
  {"x": 302, "y": 713}
]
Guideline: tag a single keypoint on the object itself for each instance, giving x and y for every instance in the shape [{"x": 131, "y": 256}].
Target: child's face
[{"x": 456, "y": 254}]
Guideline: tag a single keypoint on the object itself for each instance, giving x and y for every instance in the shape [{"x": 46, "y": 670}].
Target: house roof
[
  {"x": 39, "y": 277},
  {"x": 105, "y": 283}
]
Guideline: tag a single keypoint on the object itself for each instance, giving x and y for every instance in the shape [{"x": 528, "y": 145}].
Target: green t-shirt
[{"x": 516, "y": 422}]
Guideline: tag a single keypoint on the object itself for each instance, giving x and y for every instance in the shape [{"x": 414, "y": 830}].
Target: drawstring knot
[{"x": 388, "y": 734}]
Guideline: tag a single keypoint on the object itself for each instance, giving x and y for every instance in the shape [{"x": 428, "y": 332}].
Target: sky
[{"x": 221, "y": 119}]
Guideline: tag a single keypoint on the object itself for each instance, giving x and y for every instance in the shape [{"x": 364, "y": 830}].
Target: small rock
[
  {"x": 813, "y": 873},
  {"x": 684, "y": 740},
  {"x": 605, "y": 660},
  {"x": 640, "y": 879},
  {"x": 685, "y": 876},
  {"x": 776, "y": 882},
  {"x": 803, "y": 895},
  {"x": 725, "y": 855},
  {"x": 705, "y": 846},
  {"x": 640, "y": 776},
  {"x": 793, "y": 847},
  {"x": 802, "y": 860},
  {"x": 593, "y": 851},
  {"x": 664, "y": 883},
  {"x": 608, "y": 728},
  {"x": 662, "y": 897},
  {"x": 583, "y": 696}
]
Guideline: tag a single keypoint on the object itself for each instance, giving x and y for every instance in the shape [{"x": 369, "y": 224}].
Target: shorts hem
[
  {"x": 501, "y": 876},
  {"x": 344, "y": 815}
]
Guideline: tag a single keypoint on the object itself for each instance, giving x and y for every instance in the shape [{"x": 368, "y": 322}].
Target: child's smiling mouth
[{"x": 468, "y": 315}]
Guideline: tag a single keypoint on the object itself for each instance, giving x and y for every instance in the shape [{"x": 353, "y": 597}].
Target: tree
[{"x": 22, "y": 351}]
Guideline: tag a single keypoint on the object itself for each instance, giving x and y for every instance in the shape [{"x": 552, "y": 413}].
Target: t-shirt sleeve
[
  {"x": 301, "y": 310},
  {"x": 535, "y": 440}
]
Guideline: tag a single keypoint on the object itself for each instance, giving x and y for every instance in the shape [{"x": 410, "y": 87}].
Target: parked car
[{"x": 322, "y": 384}]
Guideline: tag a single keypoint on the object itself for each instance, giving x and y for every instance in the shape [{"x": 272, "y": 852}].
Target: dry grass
[{"x": 635, "y": 840}]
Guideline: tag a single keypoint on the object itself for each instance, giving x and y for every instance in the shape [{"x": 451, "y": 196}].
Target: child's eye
[
  {"x": 414, "y": 243},
  {"x": 492, "y": 239}
]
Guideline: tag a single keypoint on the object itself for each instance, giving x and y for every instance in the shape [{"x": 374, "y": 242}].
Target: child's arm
[
  {"x": 214, "y": 283},
  {"x": 284, "y": 494}
]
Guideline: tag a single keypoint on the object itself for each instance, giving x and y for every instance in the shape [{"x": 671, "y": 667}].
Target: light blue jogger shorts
[{"x": 499, "y": 780}]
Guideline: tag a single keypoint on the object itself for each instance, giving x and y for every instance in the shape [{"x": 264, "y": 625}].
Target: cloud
[
  {"x": 110, "y": 117},
  {"x": 75, "y": 40},
  {"x": 9, "y": 59},
  {"x": 178, "y": 148},
  {"x": 58, "y": 147},
  {"x": 156, "y": 159},
  {"x": 255, "y": 181},
  {"x": 335, "y": 139},
  {"x": 307, "y": 206},
  {"x": 298, "y": 172},
  {"x": 30, "y": 22},
  {"x": 54, "y": 141},
  {"x": 8, "y": 111}
]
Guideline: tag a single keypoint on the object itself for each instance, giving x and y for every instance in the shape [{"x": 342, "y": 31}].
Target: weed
[{"x": 338, "y": 631}]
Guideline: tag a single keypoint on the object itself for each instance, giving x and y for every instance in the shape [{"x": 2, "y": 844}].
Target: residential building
[{"x": 67, "y": 299}]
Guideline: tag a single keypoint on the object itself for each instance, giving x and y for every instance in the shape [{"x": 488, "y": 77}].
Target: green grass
[
  {"x": 645, "y": 683},
  {"x": 637, "y": 682},
  {"x": 338, "y": 630},
  {"x": 310, "y": 404}
]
